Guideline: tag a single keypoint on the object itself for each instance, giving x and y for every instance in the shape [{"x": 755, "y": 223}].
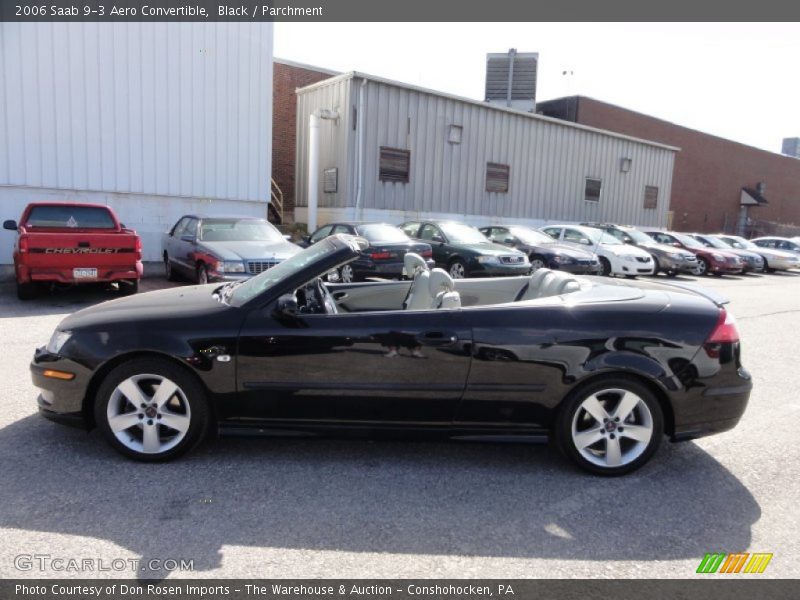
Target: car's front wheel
[
  {"x": 346, "y": 274},
  {"x": 458, "y": 270},
  {"x": 151, "y": 410},
  {"x": 201, "y": 275},
  {"x": 537, "y": 262},
  {"x": 703, "y": 266},
  {"x": 611, "y": 426},
  {"x": 605, "y": 267}
]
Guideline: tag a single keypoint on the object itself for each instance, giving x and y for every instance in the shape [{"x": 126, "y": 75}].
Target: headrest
[
  {"x": 440, "y": 281},
  {"x": 412, "y": 262},
  {"x": 538, "y": 276}
]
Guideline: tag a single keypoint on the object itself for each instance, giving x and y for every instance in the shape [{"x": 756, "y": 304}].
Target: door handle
[
  {"x": 339, "y": 295},
  {"x": 438, "y": 338}
]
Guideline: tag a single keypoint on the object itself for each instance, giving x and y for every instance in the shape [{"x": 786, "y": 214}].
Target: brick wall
[
  {"x": 709, "y": 171},
  {"x": 286, "y": 79}
]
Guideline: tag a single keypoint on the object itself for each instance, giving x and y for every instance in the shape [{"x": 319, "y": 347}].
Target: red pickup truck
[{"x": 74, "y": 243}]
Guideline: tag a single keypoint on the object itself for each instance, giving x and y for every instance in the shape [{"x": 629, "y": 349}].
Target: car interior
[{"x": 435, "y": 289}]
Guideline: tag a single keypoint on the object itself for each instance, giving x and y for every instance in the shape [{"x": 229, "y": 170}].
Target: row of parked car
[{"x": 61, "y": 243}]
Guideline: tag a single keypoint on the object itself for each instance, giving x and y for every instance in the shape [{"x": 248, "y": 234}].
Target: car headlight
[
  {"x": 718, "y": 257},
  {"x": 629, "y": 257},
  {"x": 674, "y": 255},
  {"x": 230, "y": 266},
  {"x": 487, "y": 259},
  {"x": 57, "y": 341}
]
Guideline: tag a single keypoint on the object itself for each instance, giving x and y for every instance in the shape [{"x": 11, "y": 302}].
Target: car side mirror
[
  {"x": 585, "y": 241},
  {"x": 287, "y": 306},
  {"x": 627, "y": 239},
  {"x": 307, "y": 239},
  {"x": 509, "y": 241},
  {"x": 287, "y": 237},
  {"x": 676, "y": 244},
  {"x": 187, "y": 238},
  {"x": 438, "y": 239},
  {"x": 11, "y": 225}
]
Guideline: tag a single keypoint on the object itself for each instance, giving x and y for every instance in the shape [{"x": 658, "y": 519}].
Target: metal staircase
[{"x": 275, "y": 207}]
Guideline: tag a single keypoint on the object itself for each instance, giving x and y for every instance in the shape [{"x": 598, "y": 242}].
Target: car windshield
[
  {"x": 688, "y": 241},
  {"x": 239, "y": 230},
  {"x": 242, "y": 292},
  {"x": 639, "y": 237},
  {"x": 530, "y": 236},
  {"x": 738, "y": 242},
  {"x": 463, "y": 234},
  {"x": 381, "y": 232},
  {"x": 717, "y": 243},
  {"x": 599, "y": 237}
]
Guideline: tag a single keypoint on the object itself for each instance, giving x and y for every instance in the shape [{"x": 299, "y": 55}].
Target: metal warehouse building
[
  {"x": 391, "y": 151},
  {"x": 154, "y": 119}
]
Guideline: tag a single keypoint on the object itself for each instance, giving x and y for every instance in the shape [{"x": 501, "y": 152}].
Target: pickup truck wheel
[
  {"x": 151, "y": 410},
  {"x": 27, "y": 291},
  {"x": 129, "y": 287},
  {"x": 201, "y": 275}
]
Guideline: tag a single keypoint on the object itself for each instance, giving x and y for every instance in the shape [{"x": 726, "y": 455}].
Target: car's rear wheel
[
  {"x": 27, "y": 291},
  {"x": 151, "y": 410},
  {"x": 537, "y": 262},
  {"x": 656, "y": 266},
  {"x": 610, "y": 427},
  {"x": 129, "y": 287},
  {"x": 703, "y": 266},
  {"x": 457, "y": 269},
  {"x": 605, "y": 267}
]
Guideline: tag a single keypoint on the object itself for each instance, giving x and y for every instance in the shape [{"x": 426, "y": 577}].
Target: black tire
[
  {"x": 129, "y": 287},
  {"x": 169, "y": 272},
  {"x": 348, "y": 275},
  {"x": 189, "y": 385},
  {"x": 706, "y": 266},
  {"x": 201, "y": 274},
  {"x": 671, "y": 273},
  {"x": 537, "y": 262},
  {"x": 27, "y": 291},
  {"x": 457, "y": 269},
  {"x": 605, "y": 267},
  {"x": 571, "y": 412},
  {"x": 656, "y": 266},
  {"x": 767, "y": 268}
]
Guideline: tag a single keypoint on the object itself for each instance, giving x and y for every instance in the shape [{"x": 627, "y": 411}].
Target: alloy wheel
[
  {"x": 347, "y": 274},
  {"x": 612, "y": 428},
  {"x": 148, "y": 414},
  {"x": 457, "y": 270},
  {"x": 537, "y": 263},
  {"x": 702, "y": 266}
]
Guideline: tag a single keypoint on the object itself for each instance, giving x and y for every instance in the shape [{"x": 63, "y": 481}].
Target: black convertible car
[{"x": 604, "y": 368}]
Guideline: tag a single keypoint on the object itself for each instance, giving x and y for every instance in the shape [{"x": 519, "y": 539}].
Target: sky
[{"x": 735, "y": 80}]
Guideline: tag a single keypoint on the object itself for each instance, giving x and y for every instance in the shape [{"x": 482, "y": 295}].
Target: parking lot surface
[{"x": 358, "y": 508}]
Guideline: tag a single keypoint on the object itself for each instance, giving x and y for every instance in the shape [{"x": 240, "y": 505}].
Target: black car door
[{"x": 406, "y": 367}]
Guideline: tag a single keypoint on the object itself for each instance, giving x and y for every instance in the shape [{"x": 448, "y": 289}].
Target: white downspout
[
  {"x": 313, "y": 171},
  {"x": 360, "y": 148}
]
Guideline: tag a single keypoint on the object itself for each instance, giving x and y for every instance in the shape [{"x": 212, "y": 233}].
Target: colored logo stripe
[{"x": 734, "y": 563}]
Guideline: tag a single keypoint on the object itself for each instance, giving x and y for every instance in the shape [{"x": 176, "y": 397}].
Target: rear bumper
[
  {"x": 64, "y": 275},
  {"x": 721, "y": 408}
]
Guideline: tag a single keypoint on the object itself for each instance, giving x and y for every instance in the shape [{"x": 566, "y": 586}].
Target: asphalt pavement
[{"x": 359, "y": 508}]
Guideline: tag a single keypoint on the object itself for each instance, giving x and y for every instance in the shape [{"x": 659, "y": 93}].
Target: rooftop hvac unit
[{"x": 511, "y": 79}]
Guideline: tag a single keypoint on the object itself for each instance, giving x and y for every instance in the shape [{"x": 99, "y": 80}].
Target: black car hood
[{"x": 183, "y": 302}]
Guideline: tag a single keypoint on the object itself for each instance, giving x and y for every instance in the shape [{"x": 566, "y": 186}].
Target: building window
[
  {"x": 330, "y": 180},
  {"x": 592, "y": 190},
  {"x": 497, "y": 177},
  {"x": 650, "y": 196},
  {"x": 395, "y": 165}
]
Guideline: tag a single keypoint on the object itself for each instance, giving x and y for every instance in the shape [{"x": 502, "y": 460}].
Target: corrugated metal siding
[
  {"x": 548, "y": 161},
  {"x": 182, "y": 109},
  {"x": 337, "y": 143}
]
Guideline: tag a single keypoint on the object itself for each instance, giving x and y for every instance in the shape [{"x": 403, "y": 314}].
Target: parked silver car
[
  {"x": 223, "y": 248},
  {"x": 774, "y": 259}
]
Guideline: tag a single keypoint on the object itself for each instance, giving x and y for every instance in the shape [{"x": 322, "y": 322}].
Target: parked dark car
[
  {"x": 388, "y": 245},
  {"x": 543, "y": 250},
  {"x": 669, "y": 260},
  {"x": 548, "y": 355},
  {"x": 716, "y": 262},
  {"x": 465, "y": 252},
  {"x": 751, "y": 261},
  {"x": 223, "y": 248}
]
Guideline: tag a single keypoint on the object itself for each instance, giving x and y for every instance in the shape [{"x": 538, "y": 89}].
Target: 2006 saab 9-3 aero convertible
[{"x": 604, "y": 368}]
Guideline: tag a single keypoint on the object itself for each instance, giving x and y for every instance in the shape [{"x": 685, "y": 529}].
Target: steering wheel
[
  {"x": 326, "y": 298},
  {"x": 317, "y": 300}
]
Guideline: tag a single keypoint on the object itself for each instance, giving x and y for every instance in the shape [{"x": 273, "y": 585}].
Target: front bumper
[
  {"x": 60, "y": 400},
  {"x": 498, "y": 269},
  {"x": 677, "y": 264},
  {"x": 577, "y": 269}
]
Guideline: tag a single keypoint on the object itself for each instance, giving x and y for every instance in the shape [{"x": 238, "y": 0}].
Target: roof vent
[{"x": 511, "y": 79}]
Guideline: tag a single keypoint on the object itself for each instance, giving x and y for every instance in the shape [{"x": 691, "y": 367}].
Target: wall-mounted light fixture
[
  {"x": 625, "y": 164},
  {"x": 454, "y": 134}
]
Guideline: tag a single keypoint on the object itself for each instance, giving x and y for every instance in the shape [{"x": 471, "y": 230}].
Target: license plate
[{"x": 84, "y": 273}]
